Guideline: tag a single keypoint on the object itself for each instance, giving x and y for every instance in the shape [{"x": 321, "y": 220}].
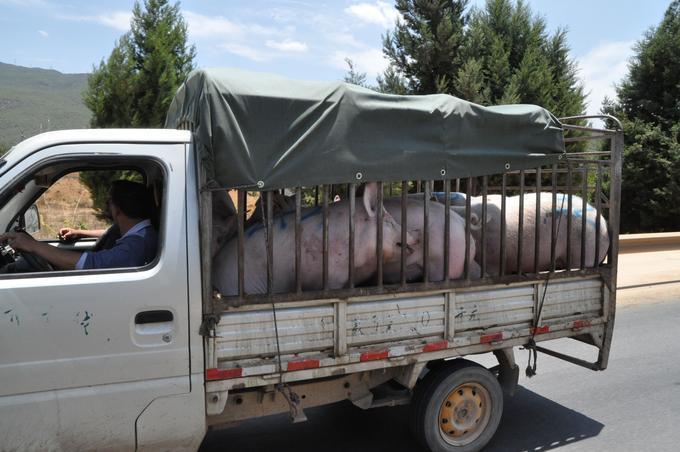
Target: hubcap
[{"x": 464, "y": 414}]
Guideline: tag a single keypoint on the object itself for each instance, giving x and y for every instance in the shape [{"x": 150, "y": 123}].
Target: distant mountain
[{"x": 34, "y": 100}]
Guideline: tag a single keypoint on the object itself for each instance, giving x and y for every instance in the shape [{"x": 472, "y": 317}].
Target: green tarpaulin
[{"x": 266, "y": 131}]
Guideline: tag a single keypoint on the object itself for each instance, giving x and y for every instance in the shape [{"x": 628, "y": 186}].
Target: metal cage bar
[
  {"x": 520, "y": 225},
  {"x": 584, "y": 216},
  {"x": 503, "y": 237},
  {"x": 269, "y": 239},
  {"x": 298, "y": 239},
  {"x": 352, "y": 233},
  {"x": 537, "y": 223},
  {"x": 404, "y": 229}
]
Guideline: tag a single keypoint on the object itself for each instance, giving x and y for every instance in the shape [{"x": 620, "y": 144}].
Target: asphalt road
[{"x": 632, "y": 406}]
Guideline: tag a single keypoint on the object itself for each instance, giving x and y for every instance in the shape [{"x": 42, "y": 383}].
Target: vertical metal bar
[
  {"x": 316, "y": 195},
  {"x": 270, "y": 242},
  {"x": 468, "y": 216},
  {"x": 298, "y": 239},
  {"x": 417, "y": 186},
  {"x": 325, "y": 238},
  {"x": 503, "y": 225},
  {"x": 520, "y": 225},
  {"x": 426, "y": 233},
  {"x": 379, "y": 244},
  {"x": 569, "y": 212},
  {"x": 553, "y": 236},
  {"x": 447, "y": 228},
  {"x": 485, "y": 190},
  {"x": 458, "y": 185},
  {"x": 352, "y": 209},
  {"x": 404, "y": 228},
  {"x": 584, "y": 215},
  {"x": 537, "y": 225},
  {"x": 598, "y": 208},
  {"x": 390, "y": 189},
  {"x": 241, "y": 215}
]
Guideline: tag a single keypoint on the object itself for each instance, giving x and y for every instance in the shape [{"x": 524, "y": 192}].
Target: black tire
[{"x": 444, "y": 421}]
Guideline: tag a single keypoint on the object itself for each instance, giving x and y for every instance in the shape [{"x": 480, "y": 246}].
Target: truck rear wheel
[{"x": 457, "y": 408}]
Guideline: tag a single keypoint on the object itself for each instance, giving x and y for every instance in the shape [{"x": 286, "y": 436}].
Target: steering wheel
[
  {"x": 35, "y": 262},
  {"x": 23, "y": 262}
]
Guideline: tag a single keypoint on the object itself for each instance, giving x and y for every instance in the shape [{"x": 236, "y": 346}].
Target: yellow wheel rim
[{"x": 464, "y": 414}]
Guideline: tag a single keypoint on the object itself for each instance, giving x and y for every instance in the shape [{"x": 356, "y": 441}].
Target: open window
[{"x": 72, "y": 195}]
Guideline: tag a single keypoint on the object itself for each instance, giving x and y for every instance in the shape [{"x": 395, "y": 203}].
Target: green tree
[
  {"x": 353, "y": 75},
  {"x": 134, "y": 86},
  {"x": 424, "y": 48},
  {"x": 498, "y": 54},
  {"x": 649, "y": 108}
]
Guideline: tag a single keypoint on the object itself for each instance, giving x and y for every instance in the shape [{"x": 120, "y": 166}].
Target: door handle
[{"x": 156, "y": 316}]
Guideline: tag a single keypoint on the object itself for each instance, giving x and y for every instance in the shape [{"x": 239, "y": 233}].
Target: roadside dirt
[
  {"x": 66, "y": 204},
  {"x": 647, "y": 275}
]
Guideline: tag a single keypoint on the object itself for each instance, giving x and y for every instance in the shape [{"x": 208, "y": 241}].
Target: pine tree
[
  {"x": 496, "y": 55},
  {"x": 649, "y": 108},
  {"x": 424, "y": 47},
  {"x": 135, "y": 85}
]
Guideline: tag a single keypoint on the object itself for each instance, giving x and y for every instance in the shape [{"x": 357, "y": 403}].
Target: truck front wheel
[{"x": 457, "y": 408}]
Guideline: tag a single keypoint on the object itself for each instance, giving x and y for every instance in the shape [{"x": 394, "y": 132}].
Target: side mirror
[{"x": 32, "y": 219}]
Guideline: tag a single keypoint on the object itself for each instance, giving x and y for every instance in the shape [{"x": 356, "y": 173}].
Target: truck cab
[{"x": 84, "y": 349}]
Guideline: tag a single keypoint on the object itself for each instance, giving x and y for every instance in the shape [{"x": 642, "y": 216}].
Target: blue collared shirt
[{"x": 135, "y": 248}]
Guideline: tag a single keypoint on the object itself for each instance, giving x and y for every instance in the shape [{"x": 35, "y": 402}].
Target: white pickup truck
[{"x": 151, "y": 357}]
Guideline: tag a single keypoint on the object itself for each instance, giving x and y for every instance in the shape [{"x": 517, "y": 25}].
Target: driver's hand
[
  {"x": 69, "y": 233},
  {"x": 20, "y": 241}
]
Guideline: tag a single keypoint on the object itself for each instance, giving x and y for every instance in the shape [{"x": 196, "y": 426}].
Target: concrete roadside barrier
[{"x": 639, "y": 243}]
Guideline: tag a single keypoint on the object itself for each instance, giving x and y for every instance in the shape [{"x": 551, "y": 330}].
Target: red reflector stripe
[
  {"x": 372, "y": 356},
  {"x": 223, "y": 374},
  {"x": 541, "y": 329},
  {"x": 581, "y": 323},
  {"x": 302, "y": 365},
  {"x": 485, "y": 339},
  {"x": 434, "y": 346}
]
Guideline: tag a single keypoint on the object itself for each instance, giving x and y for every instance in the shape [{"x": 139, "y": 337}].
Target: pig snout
[{"x": 392, "y": 243}]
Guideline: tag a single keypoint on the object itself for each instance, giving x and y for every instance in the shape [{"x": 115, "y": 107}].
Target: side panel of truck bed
[{"x": 341, "y": 336}]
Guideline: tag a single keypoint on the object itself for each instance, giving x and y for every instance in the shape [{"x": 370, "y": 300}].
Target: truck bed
[{"x": 340, "y": 336}]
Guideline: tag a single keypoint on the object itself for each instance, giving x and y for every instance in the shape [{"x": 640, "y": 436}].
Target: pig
[
  {"x": 493, "y": 232},
  {"x": 225, "y": 275},
  {"x": 415, "y": 226}
]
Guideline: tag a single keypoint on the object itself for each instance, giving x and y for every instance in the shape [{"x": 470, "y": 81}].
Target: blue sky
[{"x": 303, "y": 39}]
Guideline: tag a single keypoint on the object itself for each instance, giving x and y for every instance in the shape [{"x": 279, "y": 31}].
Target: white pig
[
  {"x": 493, "y": 232},
  {"x": 436, "y": 219},
  {"x": 225, "y": 264}
]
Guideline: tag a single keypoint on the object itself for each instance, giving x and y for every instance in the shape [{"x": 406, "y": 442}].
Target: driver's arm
[
  {"x": 70, "y": 233},
  {"x": 62, "y": 259}
]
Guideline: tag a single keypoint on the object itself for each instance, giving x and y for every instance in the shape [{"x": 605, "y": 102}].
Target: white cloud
[
  {"x": 344, "y": 39},
  {"x": 379, "y": 12},
  {"x": 601, "y": 68},
  {"x": 370, "y": 61},
  {"x": 119, "y": 20},
  {"x": 245, "y": 51},
  {"x": 43, "y": 33},
  {"x": 24, "y": 3},
  {"x": 218, "y": 26},
  {"x": 204, "y": 26},
  {"x": 287, "y": 45}
]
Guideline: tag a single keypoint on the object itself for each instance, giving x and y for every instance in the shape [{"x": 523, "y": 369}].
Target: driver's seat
[{"x": 108, "y": 240}]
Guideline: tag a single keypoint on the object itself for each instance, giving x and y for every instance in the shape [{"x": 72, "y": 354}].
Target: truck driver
[{"x": 130, "y": 208}]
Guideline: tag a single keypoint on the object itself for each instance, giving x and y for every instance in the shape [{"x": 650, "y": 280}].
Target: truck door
[{"x": 84, "y": 352}]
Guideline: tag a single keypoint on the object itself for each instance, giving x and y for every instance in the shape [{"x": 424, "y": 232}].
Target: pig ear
[{"x": 371, "y": 199}]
